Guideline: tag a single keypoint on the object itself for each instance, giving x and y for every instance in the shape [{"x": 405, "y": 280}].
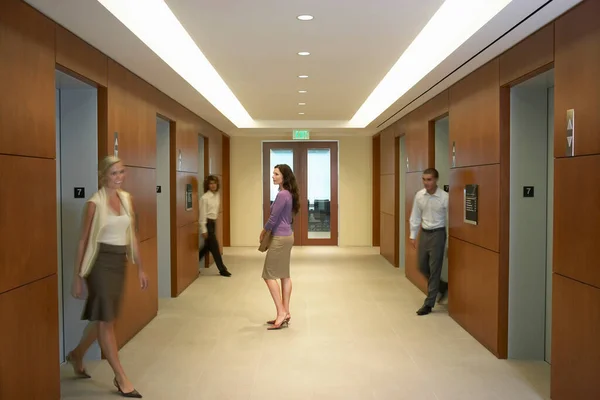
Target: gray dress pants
[{"x": 432, "y": 244}]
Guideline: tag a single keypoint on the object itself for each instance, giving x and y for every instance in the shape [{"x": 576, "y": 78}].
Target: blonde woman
[{"x": 107, "y": 240}]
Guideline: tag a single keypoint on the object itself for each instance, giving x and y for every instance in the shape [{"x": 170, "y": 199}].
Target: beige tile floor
[{"x": 353, "y": 335}]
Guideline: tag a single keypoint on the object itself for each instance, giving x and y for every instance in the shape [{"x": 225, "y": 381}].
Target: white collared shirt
[
  {"x": 209, "y": 208},
  {"x": 429, "y": 211}
]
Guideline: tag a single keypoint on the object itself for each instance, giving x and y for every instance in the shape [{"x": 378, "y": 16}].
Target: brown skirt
[
  {"x": 277, "y": 261},
  {"x": 105, "y": 284}
]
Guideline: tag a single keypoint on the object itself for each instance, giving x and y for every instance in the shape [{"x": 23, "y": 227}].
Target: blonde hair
[{"x": 104, "y": 167}]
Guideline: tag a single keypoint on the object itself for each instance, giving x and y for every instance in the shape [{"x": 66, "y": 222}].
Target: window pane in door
[
  {"x": 318, "y": 186},
  {"x": 279, "y": 156}
]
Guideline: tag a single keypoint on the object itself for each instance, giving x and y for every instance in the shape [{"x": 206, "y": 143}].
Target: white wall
[
  {"x": 163, "y": 219},
  {"x": 355, "y": 189},
  {"x": 77, "y": 160},
  {"x": 528, "y": 216},
  {"x": 442, "y": 164}
]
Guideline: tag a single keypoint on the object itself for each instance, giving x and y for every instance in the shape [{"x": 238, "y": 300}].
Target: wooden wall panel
[
  {"x": 414, "y": 183},
  {"x": 533, "y": 53},
  {"x": 417, "y": 142},
  {"x": 141, "y": 184},
  {"x": 388, "y": 241},
  {"x": 187, "y": 217},
  {"x": 473, "y": 290},
  {"x": 215, "y": 159},
  {"x": 81, "y": 58},
  {"x": 29, "y": 342},
  {"x": 187, "y": 256},
  {"x": 487, "y": 232},
  {"x": 226, "y": 193},
  {"x": 139, "y": 306},
  {"x": 28, "y": 220},
  {"x": 187, "y": 147},
  {"x": 576, "y": 219},
  {"x": 387, "y": 194},
  {"x": 577, "y": 67},
  {"x": 387, "y": 152},
  {"x": 376, "y": 190},
  {"x": 27, "y": 108},
  {"x": 575, "y": 345},
  {"x": 474, "y": 117},
  {"x": 131, "y": 116}
]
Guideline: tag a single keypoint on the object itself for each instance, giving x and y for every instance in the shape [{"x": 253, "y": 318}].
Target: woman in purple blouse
[{"x": 277, "y": 262}]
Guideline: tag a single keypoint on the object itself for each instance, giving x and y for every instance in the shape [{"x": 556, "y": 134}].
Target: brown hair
[
  {"x": 432, "y": 171},
  {"x": 208, "y": 180},
  {"x": 289, "y": 183}
]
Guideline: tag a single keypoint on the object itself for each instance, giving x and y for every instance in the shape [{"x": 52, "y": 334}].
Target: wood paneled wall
[
  {"x": 478, "y": 109},
  {"x": 576, "y": 278},
  {"x": 387, "y": 201},
  {"x": 376, "y": 189},
  {"x": 31, "y": 48},
  {"x": 28, "y": 255}
]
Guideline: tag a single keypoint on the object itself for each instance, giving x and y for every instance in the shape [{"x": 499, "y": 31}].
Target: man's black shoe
[{"x": 424, "y": 310}]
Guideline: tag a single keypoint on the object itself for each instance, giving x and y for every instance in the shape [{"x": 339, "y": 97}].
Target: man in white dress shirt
[{"x": 430, "y": 216}]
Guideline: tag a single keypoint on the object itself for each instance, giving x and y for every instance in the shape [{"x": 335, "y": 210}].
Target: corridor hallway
[{"x": 354, "y": 335}]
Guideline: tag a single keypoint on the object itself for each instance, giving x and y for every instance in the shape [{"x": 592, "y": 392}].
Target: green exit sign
[{"x": 301, "y": 134}]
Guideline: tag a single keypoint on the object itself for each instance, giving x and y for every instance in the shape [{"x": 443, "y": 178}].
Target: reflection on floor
[{"x": 353, "y": 335}]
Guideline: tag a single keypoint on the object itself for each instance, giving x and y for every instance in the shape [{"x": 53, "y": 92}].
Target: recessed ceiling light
[
  {"x": 301, "y": 91},
  {"x": 301, "y": 104},
  {"x": 301, "y": 113},
  {"x": 302, "y": 76},
  {"x": 305, "y": 17},
  {"x": 303, "y": 53}
]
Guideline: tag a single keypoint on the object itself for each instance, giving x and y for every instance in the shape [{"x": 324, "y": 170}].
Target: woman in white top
[
  {"x": 107, "y": 240},
  {"x": 209, "y": 211}
]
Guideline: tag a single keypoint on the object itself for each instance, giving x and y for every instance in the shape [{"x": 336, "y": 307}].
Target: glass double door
[{"x": 315, "y": 165}]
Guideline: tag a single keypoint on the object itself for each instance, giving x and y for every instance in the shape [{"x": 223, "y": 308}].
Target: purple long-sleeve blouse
[{"x": 280, "y": 220}]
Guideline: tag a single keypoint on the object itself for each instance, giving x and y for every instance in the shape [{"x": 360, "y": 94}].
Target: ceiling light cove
[
  {"x": 175, "y": 47},
  {"x": 303, "y": 53},
  {"x": 453, "y": 23},
  {"x": 305, "y": 17}
]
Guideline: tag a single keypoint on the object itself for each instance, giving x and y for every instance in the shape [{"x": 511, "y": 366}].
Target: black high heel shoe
[
  {"x": 134, "y": 394},
  {"x": 79, "y": 373}
]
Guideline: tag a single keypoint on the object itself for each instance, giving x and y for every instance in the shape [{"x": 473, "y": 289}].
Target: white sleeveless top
[{"x": 115, "y": 230}]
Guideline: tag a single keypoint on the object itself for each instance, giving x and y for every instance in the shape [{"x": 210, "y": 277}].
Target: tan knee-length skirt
[
  {"x": 105, "y": 284},
  {"x": 277, "y": 261}
]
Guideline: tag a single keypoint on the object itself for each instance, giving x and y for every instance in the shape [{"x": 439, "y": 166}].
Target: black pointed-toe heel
[
  {"x": 134, "y": 394},
  {"x": 79, "y": 373}
]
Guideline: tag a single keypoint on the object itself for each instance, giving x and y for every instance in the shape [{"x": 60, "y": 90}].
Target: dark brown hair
[
  {"x": 289, "y": 183},
  {"x": 208, "y": 180},
  {"x": 432, "y": 171}
]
